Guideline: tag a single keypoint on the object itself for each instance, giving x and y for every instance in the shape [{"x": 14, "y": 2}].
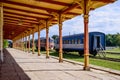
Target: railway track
[
  {"x": 114, "y": 53},
  {"x": 107, "y": 58}
]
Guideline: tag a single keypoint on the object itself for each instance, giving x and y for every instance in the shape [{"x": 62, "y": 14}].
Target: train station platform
[{"x": 21, "y": 65}]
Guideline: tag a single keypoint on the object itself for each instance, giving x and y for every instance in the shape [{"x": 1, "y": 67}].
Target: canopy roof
[{"x": 30, "y": 12}]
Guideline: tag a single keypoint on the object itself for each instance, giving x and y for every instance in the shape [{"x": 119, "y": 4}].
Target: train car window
[
  {"x": 75, "y": 41},
  {"x": 72, "y": 41},
  {"x": 68, "y": 41},
  {"x": 63, "y": 41},
  {"x": 82, "y": 40},
  {"x": 40, "y": 40},
  {"x": 78, "y": 41},
  {"x": 57, "y": 41},
  {"x": 44, "y": 40}
]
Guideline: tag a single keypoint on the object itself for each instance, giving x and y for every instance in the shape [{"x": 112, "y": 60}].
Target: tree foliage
[
  {"x": 113, "y": 39},
  {"x": 5, "y": 43},
  {"x": 55, "y": 36}
]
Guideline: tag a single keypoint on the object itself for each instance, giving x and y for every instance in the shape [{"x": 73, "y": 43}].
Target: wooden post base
[
  {"x": 38, "y": 54},
  {"x": 86, "y": 68},
  {"x": 47, "y": 57},
  {"x": 60, "y": 61}
]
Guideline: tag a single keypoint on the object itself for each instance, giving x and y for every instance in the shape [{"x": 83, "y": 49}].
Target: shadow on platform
[{"x": 10, "y": 70}]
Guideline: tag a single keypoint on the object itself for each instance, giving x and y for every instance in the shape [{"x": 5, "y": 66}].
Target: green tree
[
  {"x": 118, "y": 40},
  {"x": 5, "y": 43},
  {"x": 113, "y": 39},
  {"x": 55, "y": 36}
]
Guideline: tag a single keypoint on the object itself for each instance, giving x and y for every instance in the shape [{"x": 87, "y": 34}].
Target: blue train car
[{"x": 76, "y": 42}]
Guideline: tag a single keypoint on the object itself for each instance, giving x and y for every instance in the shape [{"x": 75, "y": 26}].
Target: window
[
  {"x": 69, "y": 42},
  {"x": 82, "y": 41},
  {"x": 78, "y": 41},
  {"x": 75, "y": 41}
]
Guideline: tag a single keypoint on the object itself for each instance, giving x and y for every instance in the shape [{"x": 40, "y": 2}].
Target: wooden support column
[
  {"x": 13, "y": 45},
  {"x": 38, "y": 40},
  {"x": 47, "y": 40},
  {"x": 18, "y": 45},
  {"x": 33, "y": 44},
  {"x": 86, "y": 35},
  {"x": 29, "y": 43},
  {"x": 26, "y": 42},
  {"x": 60, "y": 38},
  {"x": 1, "y": 32},
  {"x": 23, "y": 42}
]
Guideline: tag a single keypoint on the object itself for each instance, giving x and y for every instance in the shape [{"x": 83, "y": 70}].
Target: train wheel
[
  {"x": 94, "y": 53},
  {"x": 57, "y": 50},
  {"x": 80, "y": 54}
]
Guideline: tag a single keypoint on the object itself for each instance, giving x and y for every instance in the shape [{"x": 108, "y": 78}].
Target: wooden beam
[{"x": 74, "y": 5}]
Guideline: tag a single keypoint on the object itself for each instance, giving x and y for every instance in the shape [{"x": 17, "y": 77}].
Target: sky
[{"x": 105, "y": 19}]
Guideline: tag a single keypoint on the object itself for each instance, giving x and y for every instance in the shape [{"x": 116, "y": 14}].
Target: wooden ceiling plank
[
  {"x": 31, "y": 6},
  {"x": 25, "y": 15},
  {"x": 104, "y": 1},
  {"x": 14, "y": 19},
  {"x": 27, "y": 11},
  {"x": 24, "y": 18},
  {"x": 54, "y": 2},
  {"x": 16, "y": 24}
]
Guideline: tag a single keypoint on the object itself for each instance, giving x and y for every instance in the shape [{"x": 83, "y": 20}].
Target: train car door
[{"x": 97, "y": 41}]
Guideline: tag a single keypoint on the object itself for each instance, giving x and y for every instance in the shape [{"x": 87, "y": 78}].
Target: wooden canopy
[{"x": 23, "y": 15}]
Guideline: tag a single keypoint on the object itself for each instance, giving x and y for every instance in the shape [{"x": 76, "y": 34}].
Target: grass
[
  {"x": 104, "y": 63},
  {"x": 117, "y": 56}
]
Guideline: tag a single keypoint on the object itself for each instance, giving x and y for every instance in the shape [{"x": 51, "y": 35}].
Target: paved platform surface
[{"x": 20, "y": 65}]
